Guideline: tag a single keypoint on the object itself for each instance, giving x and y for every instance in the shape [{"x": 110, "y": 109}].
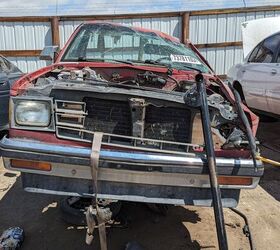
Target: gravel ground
[{"x": 185, "y": 227}]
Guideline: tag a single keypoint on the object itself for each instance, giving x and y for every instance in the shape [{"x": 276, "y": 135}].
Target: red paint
[
  {"x": 48, "y": 137},
  {"x": 198, "y": 53},
  {"x": 25, "y": 81},
  {"x": 231, "y": 153}
]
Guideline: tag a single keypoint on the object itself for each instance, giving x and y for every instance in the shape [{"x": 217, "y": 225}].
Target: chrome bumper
[
  {"x": 127, "y": 175},
  {"x": 51, "y": 152},
  {"x": 77, "y": 159}
]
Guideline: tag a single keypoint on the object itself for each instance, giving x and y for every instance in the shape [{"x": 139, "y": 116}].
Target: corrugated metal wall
[
  {"x": 169, "y": 25},
  {"x": 25, "y": 36},
  {"x": 222, "y": 28},
  {"x": 203, "y": 29},
  {"x": 28, "y": 64}
]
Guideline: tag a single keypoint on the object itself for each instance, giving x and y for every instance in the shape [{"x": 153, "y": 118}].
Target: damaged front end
[{"x": 84, "y": 102}]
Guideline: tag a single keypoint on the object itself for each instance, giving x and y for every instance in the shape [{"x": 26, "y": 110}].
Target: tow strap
[
  {"x": 269, "y": 161},
  {"x": 99, "y": 219}
]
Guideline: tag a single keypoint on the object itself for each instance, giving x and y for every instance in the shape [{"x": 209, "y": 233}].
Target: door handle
[{"x": 273, "y": 71}]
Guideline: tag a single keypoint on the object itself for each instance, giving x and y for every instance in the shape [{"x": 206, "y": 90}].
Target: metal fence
[{"x": 217, "y": 33}]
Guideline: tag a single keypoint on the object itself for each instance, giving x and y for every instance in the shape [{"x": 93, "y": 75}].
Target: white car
[{"x": 258, "y": 78}]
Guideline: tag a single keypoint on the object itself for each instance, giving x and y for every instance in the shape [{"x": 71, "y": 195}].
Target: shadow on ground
[
  {"x": 39, "y": 215},
  {"x": 269, "y": 136}
]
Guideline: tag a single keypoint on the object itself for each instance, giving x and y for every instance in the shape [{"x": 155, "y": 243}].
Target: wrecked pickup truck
[{"x": 134, "y": 89}]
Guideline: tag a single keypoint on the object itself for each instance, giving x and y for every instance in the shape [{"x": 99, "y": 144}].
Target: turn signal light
[
  {"x": 228, "y": 180},
  {"x": 34, "y": 165}
]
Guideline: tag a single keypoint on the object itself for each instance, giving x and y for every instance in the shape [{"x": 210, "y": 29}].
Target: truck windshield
[{"x": 104, "y": 41}]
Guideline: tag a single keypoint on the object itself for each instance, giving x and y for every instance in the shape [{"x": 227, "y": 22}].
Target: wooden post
[
  {"x": 185, "y": 26},
  {"x": 55, "y": 30}
]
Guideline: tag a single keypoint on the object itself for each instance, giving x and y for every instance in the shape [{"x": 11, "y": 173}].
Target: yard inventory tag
[{"x": 184, "y": 59}]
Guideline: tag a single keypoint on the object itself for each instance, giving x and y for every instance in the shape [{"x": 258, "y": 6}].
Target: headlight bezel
[
  {"x": 15, "y": 101},
  {"x": 41, "y": 106}
]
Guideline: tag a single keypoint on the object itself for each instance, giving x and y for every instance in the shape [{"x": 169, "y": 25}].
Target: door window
[
  {"x": 266, "y": 51},
  {"x": 7, "y": 67},
  {"x": 254, "y": 53},
  {"x": 3, "y": 65}
]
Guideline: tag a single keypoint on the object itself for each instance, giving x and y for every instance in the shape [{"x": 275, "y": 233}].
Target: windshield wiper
[
  {"x": 128, "y": 61},
  {"x": 83, "y": 59},
  {"x": 192, "y": 68},
  {"x": 153, "y": 62}
]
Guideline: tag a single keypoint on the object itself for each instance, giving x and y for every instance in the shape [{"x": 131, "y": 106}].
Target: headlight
[{"x": 33, "y": 113}]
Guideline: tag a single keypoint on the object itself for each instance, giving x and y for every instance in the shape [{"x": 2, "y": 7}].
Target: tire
[{"x": 72, "y": 209}]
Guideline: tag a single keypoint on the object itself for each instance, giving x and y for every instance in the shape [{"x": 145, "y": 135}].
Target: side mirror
[{"x": 49, "y": 53}]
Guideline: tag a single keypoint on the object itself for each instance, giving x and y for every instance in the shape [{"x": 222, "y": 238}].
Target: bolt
[{"x": 191, "y": 181}]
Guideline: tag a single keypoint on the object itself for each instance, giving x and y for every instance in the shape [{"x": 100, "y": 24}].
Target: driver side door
[{"x": 273, "y": 88}]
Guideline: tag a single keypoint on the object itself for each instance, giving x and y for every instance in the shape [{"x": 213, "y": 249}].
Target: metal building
[{"x": 215, "y": 28}]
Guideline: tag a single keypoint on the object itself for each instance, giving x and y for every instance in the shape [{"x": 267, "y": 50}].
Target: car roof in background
[{"x": 255, "y": 31}]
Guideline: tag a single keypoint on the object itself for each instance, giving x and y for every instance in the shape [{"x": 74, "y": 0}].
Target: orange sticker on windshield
[{"x": 184, "y": 59}]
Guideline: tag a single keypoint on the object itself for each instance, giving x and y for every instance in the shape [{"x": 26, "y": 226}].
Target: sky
[{"x": 101, "y": 7}]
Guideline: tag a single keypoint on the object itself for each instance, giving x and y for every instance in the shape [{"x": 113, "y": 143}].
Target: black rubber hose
[
  {"x": 246, "y": 229},
  {"x": 246, "y": 123},
  {"x": 173, "y": 79}
]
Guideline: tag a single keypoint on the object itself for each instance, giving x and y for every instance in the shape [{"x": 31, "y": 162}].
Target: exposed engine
[{"x": 142, "y": 104}]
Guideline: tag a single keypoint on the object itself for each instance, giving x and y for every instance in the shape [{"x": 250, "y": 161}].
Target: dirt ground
[{"x": 185, "y": 227}]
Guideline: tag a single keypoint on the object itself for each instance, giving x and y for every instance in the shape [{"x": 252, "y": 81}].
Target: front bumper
[{"x": 132, "y": 176}]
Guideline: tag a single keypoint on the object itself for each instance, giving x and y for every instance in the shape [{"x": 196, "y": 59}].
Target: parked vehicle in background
[
  {"x": 9, "y": 73},
  {"x": 133, "y": 92},
  {"x": 258, "y": 78}
]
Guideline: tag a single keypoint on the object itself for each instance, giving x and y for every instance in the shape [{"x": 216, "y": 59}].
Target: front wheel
[{"x": 73, "y": 209}]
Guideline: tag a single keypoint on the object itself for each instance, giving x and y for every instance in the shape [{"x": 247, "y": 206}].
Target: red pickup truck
[{"x": 128, "y": 85}]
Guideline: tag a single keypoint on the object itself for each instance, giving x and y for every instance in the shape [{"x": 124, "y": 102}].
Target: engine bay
[{"x": 226, "y": 127}]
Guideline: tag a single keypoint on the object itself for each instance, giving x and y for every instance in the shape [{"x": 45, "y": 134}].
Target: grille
[
  {"x": 108, "y": 116},
  {"x": 169, "y": 124},
  {"x": 166, "y": 128}
]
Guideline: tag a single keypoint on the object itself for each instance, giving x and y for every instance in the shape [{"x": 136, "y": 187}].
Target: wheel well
[{"x": 238, "y": 87}]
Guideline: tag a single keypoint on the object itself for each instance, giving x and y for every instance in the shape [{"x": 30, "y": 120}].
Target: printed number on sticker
[{"x": 184, "y": 59}]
